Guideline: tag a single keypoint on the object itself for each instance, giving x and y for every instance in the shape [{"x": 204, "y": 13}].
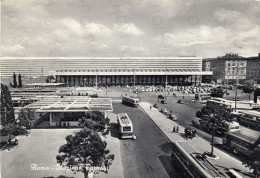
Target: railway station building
[{"x": 116, "y": 71}]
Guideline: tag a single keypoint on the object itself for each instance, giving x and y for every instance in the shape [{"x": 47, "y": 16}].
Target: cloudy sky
[{"x": 205, "y": 28}]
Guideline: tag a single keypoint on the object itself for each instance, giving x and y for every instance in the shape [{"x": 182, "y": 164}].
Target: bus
[
  {"x": 190, "y": 162},
  {"x": 249, "y": 118},
  {"x": 125, "y": 126},
  {"x": 239, "y": 143},
  {"x": 130, "y": 101},
  {"x": 221, "y": 128},
  {"x": 226, "y": 105},
  {"x": 203, "y": 97}
]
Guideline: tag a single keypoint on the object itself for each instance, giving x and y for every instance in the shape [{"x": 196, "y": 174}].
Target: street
[{"x": 149, "y": 155}]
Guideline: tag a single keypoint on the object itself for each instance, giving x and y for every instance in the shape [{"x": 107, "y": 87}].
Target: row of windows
[
  {"x": 188, "y": 165},
  {"x": 241, "y": 142}
]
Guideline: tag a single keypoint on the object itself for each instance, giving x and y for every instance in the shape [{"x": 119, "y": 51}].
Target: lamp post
[
  {"x": 212, "y": 117},
  {"x": 236, "y": 87}
]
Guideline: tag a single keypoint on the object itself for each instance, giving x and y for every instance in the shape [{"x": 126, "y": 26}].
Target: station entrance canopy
[{"x": 71, "y": 104}]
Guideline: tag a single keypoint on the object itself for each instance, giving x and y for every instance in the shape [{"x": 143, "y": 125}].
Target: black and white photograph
[{"x": 130, "y": 89}]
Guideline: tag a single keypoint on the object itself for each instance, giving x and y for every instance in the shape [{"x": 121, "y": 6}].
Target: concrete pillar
[{"x": 51, "y": 117}]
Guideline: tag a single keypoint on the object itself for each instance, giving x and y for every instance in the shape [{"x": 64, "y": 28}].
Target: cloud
[
  {"x": 73, "y": 25},
  {"x": 128, "y": 29},
  {"x": 96, "y": 29}
]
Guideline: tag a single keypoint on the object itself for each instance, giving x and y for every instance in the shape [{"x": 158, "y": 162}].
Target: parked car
[
  {"x": 164, "y": 101},
  {"x": 161, "y": 97},
  {"x": 164, "y": 110},
  {"x": 172, "y": 117},
  {"x": 180, "y": 102},
  {"x": 155, "y": 106}
]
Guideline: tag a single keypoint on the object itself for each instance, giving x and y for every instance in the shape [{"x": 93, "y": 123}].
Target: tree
[
  {"x": 84, "y": 150},
  {"x": 256, "y": 94},
  {"x": 217, "y": 92},
  {"x": 20, "y": 85},
  {"x": 213, "y": 116},
  {"x": 7, "y": 110},
  {"x": 8, "y": 123},
  {"x": 14, "y": 81},
  {"x": 248, "y": 87},
  {"x": 26, "y": 115},
  {"x": 95, "y": 121},
  {"x": 49, "y": 78}
]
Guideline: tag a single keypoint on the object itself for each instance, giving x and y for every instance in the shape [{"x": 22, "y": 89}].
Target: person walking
[
  {"x": 173, "y": 130},
  {"x": 177, "y": 129},
  {"x": 106, "y": 166}
]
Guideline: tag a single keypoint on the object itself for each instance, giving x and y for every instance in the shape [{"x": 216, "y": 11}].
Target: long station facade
[{"x": 113, "y": 71}]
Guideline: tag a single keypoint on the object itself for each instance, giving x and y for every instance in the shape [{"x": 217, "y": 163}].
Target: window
[{"x": 125, "y": 129}]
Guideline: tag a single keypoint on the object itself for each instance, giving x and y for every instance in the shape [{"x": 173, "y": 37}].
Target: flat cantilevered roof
[
  {"x": 71, "y": 104},
  {"x": 45, "y": 84}
]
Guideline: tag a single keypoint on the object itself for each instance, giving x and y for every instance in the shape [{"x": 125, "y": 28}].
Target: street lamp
[{"x": 212, "y": 117}]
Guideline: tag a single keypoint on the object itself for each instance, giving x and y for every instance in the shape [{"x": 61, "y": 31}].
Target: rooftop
[{"x": 71, "y": 104}]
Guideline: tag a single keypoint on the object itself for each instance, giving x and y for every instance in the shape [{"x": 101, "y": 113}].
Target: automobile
[
  {"x": 155, "y": 106},
  {"x": 164, "y": 110},
  {"x": 164, "y": 101},
  {"x": 94, "y": 95},
  {"x": 161, "y": 97},
  {"x": 180, "y": 102},
  {"x": 172, "y": 117}
]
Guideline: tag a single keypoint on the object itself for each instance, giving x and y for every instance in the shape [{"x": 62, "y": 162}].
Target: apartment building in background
[{"x": 253, "y": 68}]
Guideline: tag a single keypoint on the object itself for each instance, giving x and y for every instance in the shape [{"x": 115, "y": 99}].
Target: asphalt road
[{"x": 148, "y": 155}]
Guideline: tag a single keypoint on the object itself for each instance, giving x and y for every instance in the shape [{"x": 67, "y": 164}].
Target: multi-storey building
[
  {"x": 107, "y": 71},
  {"x": 253, "y": 68},
  {"x": 227, "y": 69}
]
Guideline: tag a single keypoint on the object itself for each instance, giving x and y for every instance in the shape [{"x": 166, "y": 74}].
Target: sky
[{"x": 129, "y": 28}]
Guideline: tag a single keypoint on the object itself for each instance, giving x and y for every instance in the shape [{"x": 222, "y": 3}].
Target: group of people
[
  {"x": 63, "y": 124},
  {"x": 190, "y": 132},
  {"x": 175, "y": 129}
]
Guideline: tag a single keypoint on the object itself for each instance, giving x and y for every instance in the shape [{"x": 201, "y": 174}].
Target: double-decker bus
[
  {"x": 249, "y": 118},
  {"x": 125, "y": 126},
  {"x": 203, "y": 97},
  {"x": 191, "y": 163},
  {"x": 239, "y": 143},
  {"x": 130, "y": 101}
]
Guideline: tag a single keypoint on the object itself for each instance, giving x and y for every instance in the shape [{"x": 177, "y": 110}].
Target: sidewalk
[
  {"x": 113, "y": 144},
  {"x": 166, "y": 125}
]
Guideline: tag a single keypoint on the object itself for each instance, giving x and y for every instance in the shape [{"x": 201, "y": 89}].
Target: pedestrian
[
  {"x": 177, "y": 129},
  {"x": 170, "y": 111},
  {"x": 106, "y": 166},
  {"x": 173, "y": 129},
  {"x": 150, "y": 107},
  {"x": 68, "y": 124}
]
